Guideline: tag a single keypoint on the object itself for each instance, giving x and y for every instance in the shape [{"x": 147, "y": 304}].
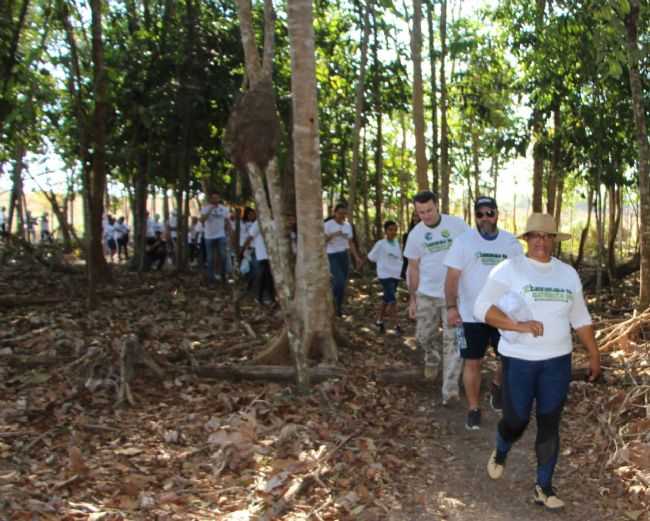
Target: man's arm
[
  {"x": 451, "y": 296},
  {"x": 414, "y": 282}
]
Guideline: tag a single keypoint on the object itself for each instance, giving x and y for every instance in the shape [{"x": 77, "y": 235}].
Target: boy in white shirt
[{"x": 387, "y": 254}]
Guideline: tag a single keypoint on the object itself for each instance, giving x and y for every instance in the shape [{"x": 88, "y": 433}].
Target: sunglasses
[{"x": 487, "y": 213}]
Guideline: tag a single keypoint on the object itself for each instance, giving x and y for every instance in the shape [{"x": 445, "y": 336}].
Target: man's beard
[{"x": 487, "y": 228}]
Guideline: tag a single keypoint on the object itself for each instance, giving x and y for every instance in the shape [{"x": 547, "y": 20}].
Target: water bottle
[{"x": 461, "y": 341}]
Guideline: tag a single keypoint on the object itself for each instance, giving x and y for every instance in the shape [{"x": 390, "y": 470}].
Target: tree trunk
[
  {"x": 613, "y": 222},
  {"x": 538, "y": 126},
  {"x": 556, "y": 159},
  {"x": 358, "y": 113},
  {"x": 379, "y": 146},
  {"x": 98, "y": 271},
  {"x": 418, "y": 98},
  {"x": 585, "y": 231},
  {"x": 631, "y": 24},
  {"x": 305, "y": 297},
  {"x": 434, "y": 100},
  {"x": 16, "y": 198},
  {"x": 444, "y": 128}
]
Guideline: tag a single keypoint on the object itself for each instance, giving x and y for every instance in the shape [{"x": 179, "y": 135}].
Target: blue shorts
[
  {"x": 390, "y": 288},
  {"x": 478, "y": 336}
]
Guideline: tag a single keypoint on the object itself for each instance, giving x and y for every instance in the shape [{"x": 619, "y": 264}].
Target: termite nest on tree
[{"x": 253, "y": 131}]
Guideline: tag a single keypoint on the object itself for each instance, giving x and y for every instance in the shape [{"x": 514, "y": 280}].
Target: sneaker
[
  {"x": 398, "y": 331},
  {"x": 380, "y": 326},
  {"x": 448, "y": 401},
  {"x": 547, "y": 497},
  {"x": 473, "y": 422},
  {"x": 496, "y": 465},
  {"x": 495, "y": 397}
]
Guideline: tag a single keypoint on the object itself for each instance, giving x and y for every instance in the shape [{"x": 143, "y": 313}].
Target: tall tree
[
  {"x": 444, "y": 126},
  {"x": 304, "y": 294},
  {"x": 98, "y": 271},
  {"x": 358, "y": 108},
  {"x": 631, "y": 25},
  {"x": 418, "y": 98}
]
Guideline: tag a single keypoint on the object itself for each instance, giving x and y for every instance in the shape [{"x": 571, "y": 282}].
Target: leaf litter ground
[{"x": 354, "y": 448}]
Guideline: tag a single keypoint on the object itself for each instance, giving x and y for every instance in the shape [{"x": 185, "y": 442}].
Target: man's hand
[
  {"x": 594, "y": 368},
  {"x": 453, "y": 317},
  {"x": 413, "y": 307}
]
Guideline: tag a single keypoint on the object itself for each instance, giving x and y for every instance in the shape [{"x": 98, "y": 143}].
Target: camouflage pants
[{"x": 438, "y": 349}]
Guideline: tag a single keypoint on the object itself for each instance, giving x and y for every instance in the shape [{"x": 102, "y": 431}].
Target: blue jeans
[
  {"x": 213, "y": 248},
  {"x": 546, "y": 382},
  {"x": 339, "y": 269}
]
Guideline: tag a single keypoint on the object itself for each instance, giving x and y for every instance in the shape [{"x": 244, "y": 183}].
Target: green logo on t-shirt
[
  {"x": 490, "y": 259},
  {"x": 543, "y": 294},
  {"x": 436, "y": 246}
]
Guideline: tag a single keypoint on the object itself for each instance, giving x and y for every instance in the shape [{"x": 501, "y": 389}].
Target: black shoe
[
  {"x": 495, "y": 397},
  {"x": 473, "y": 422},
  {"x": 398, "y": 331},
  {"x": 380, "y": 326}
]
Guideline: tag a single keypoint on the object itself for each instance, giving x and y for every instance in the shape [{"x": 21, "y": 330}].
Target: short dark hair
[
  {"x": 425, "y": 196},
  {"x": 387, "y": 224},
  {"x": 339, "y": 206}
]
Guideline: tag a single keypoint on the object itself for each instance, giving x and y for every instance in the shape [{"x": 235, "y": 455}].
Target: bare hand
[
  {"x": 412, "y": 308},
  {"x": 594, "y": 369},
  {"x": 453, "y": 317},
  {"x": 533, "y": 327}
]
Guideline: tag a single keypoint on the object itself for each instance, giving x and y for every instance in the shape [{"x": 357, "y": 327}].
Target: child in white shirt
[{"x": 387, "y": 253}]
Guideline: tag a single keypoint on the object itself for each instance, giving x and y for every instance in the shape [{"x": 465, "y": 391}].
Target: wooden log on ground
[{"x": 272, "y": 373}]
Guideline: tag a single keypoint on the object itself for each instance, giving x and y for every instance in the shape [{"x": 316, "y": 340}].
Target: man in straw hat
[
  {"x": 537, "y": 360},
  {"x": 469, "y": 262}
]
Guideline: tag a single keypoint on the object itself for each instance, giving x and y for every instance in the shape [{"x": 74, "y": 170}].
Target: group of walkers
[
  {"x": 30, "y": 223},
  {"x": 471, "y": 288}
]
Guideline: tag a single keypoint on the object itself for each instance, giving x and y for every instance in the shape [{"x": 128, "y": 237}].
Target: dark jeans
[
  {"x": 214, "y": 248},
  {"x": 265, "y": 286},
  {"x": 339, "y": 269},
  {"x": 122, "y": 246},
  {"x": 155, "y": 258},
  {"x": 546, "y": 382}
]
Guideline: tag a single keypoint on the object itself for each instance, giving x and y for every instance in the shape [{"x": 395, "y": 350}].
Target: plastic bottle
[{"x": 461, "y": 342}]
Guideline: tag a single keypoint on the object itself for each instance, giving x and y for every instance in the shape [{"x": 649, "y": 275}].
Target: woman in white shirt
[
  {"x": 537, "y": 361},
  {"x": 338, "y": 242}
]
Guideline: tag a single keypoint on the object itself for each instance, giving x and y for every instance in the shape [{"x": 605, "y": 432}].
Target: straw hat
[{"x": 543, "y": 223}]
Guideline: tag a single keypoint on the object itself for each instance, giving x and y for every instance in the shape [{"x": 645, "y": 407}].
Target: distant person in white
[
  {"x": 338, "y": 245},
  {"x": 537, "y": 363},
  {"x": 216, "y": 227},
  {"x": 469, "y": 262},
  {"x": 387, "y": 254}
]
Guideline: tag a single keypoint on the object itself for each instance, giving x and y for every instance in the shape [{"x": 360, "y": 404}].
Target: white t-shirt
[
  {"x": 121, "y": 230},
  {"x": 258, "y": 242},
  {"x": 340, "y": 242},
  {"x": 552, "y": 292},
  {"x": 109, "y": 231},
  {"x": 215, "y": 225},
  {"x": 475, "y": 257},
  {"x": 388, "y": 256},
  {"x": 244, "y": 228},
  {"x": 430, "y": 245},
  {"x": 173, "y": 225}
]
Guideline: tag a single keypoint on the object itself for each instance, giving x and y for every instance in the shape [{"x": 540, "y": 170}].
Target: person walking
[
  {"x": 339, "y": 243},
  {"x": 387, "y": 253},
  {"x": 469, "y": 262},
  {"x": 426, "y": 248},
  {"x": 216, "y": 224},
  {"x": 536, "y": 351}
]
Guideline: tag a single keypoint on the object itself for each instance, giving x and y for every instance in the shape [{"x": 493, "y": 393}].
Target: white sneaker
[{"x": 547, "y": 498}]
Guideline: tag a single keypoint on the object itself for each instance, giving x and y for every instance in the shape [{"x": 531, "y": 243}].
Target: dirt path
[{"x": 452, "y": 482}]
